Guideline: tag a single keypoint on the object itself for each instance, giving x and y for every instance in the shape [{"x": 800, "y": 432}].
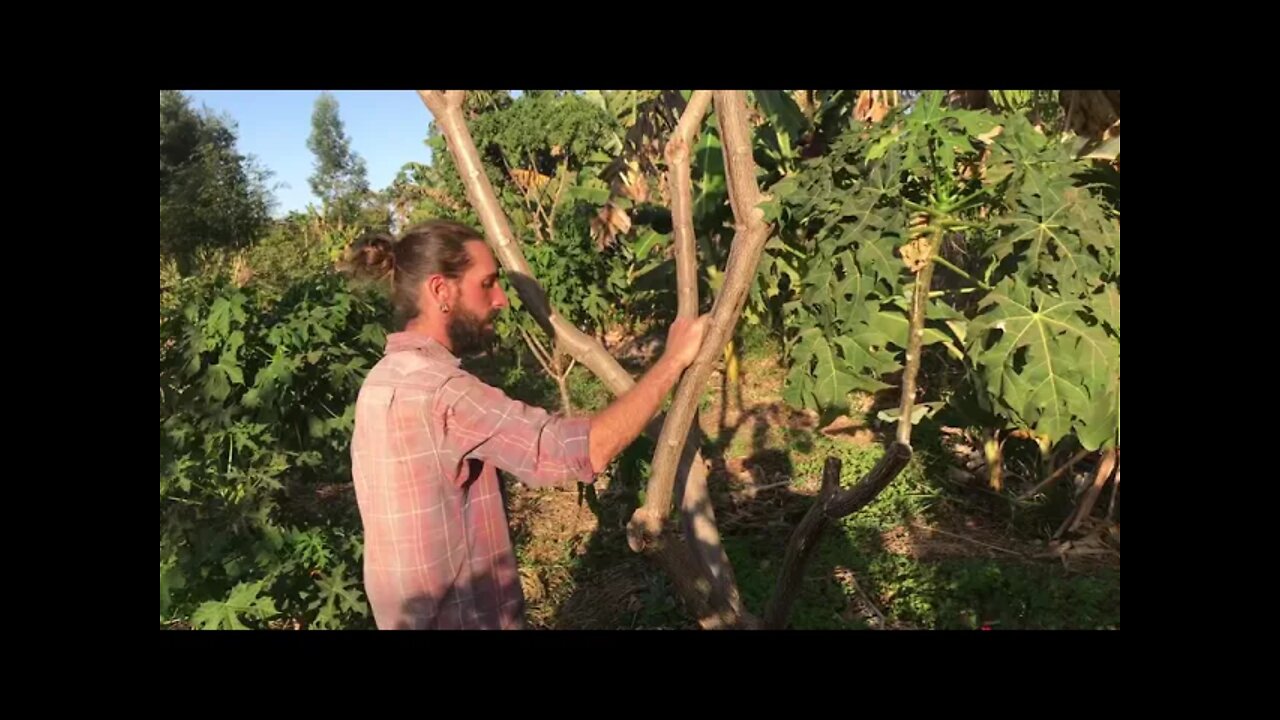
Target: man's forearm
[{"x": 615, "y": 427}]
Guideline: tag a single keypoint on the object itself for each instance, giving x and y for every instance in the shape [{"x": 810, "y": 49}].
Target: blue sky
[{"x": 387, "y": 128}]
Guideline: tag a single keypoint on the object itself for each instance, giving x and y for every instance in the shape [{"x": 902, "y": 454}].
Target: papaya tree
[{"x": 1027, "y": 310}]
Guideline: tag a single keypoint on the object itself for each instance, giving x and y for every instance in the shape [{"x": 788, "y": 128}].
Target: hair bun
[{"x": 372, "y": 256}]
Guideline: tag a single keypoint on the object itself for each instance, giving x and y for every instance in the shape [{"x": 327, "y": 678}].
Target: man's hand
[
  {"x": 684, "y": 339},
  {"x": 613, "y": 428}
]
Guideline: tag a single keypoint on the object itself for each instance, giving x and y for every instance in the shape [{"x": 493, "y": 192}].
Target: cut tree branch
[
  {"x": 832, "y": 504},
  {"x": 803, "y": 540}
]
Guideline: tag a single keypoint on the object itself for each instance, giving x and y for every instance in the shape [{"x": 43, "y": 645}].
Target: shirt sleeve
[{"x": 542, "y": 450}]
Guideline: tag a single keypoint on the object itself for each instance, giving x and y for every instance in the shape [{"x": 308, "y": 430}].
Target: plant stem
[{"x": 953, "y": 268}]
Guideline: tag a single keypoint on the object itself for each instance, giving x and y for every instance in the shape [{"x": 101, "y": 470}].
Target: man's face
[{"x": 478, "y": 301}]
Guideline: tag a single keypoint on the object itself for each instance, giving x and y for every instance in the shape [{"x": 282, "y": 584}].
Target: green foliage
[
  {"x": 535, "y": 132},
  {"x": 970, "y": 593},
  {"x": 1043, "y": 342},
  {"x": 542, "y": 129},
  {"x": 299, "y": 246},
  {"x": 340, "y": 178},
  {"x": 587, "y": 392},
  {"x": 1049, "y": 366},
  {"x": 256, "y": 410},
  {"x": 225, "y": 614},
  {"x": 1042, "y": 105},
  {"x": 572, "y": 272},
  {"x": 211, "y": 196},
  {"x": 954, "y": 591}
]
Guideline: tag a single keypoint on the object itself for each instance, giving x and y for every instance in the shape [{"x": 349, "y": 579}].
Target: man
[{"x": 429, "y": 437}]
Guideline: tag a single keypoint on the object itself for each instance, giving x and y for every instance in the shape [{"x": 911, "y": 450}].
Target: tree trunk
[
  {"x": 696, "y": 511},
  {"x": 744, "y": 195},
  {"x": 915, "y": 337}
]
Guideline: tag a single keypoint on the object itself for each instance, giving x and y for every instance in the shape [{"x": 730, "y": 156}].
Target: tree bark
[
  {"x": 915, "y": 337},
  {"x": 681, "y": 188}
]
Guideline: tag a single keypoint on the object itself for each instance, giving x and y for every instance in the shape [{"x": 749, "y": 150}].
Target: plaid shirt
[{"x": 428, "y": 436}]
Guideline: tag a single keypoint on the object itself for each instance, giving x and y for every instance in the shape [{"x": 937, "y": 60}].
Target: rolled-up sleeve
[{"x": 479, "y": 421}]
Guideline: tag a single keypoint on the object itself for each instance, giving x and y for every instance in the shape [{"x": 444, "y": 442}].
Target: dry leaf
[
  {"x": 608, "y": 224},
  {"x": 634, "y": 186},
  {"x": 917, "y": 223},
  {"x": 862, "y": 110},
  {"x": 242, "y": 273},
  {"x": 874, "y": 105},
  {"x": 532, "y": 585},
  {"x": 528, "y": 180},
  {"x": 915, "y": 254},
  {"x": 805, "y": 101},
  {"x": 880, "y": 110}
]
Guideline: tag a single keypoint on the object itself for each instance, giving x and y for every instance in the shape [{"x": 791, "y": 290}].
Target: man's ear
[{"x": 438, "y": 287}]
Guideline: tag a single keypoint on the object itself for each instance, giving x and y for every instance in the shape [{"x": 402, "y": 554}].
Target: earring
[{"x": 444, "y": 308}]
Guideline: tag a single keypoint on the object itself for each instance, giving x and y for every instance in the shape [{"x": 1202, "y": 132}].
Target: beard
[{"x": 468, "y": 332}]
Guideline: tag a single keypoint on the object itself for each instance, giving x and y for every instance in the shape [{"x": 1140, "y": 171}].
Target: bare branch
[
  {"x": 541, "y": 195},
  {"x": 548, "y": 354},
  {"x": 538, "y": 353},
  {"x": 847, "y": 502},
  {"x": 1053, "y": 478},
  {"x": 647, "y": 522},
  {"x": 555, "y": 203},
  {"x": 680, "y": 182},
  {"x": 1115, "y": 491},
  {"x": 697, "y": 516},
  {"x": 803, "y": 539}
]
